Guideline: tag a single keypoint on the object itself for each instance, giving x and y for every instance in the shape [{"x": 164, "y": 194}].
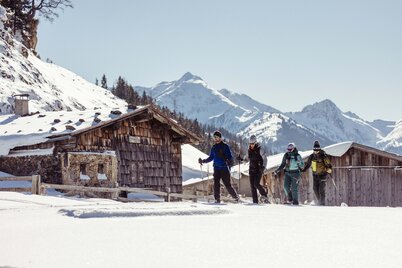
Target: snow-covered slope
[
  {"x": 393, "y": 141},
  {"x": 384, "y": 126},
  {"x": 277, "y": 130},
  {"x": 50, "y": 87},
  {"x": 193, "y": 97},
  {"x": 328, "y": 120},
  {"x": 247, "y": 102}
]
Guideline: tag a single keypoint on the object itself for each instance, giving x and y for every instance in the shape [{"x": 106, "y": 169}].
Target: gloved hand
[
  {"x": 238, "y": 158},
  {"x": 329, "y": 170},
  {"x": 263, "y": 170},
  {"x": 200, "y": 161}
]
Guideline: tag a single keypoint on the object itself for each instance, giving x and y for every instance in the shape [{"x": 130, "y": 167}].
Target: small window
[
  {"x": 83, "y": 169},
  {"x": 101, "y": 169}
]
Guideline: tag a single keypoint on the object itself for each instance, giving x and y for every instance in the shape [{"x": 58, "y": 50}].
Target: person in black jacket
[
  {"x": 223, "y": 159},
  {"x": 320, "y": 166},
  {"x": 258, "y": 163}
]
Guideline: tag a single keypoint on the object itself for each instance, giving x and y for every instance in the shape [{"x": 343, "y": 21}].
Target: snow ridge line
[{"x": 135, "y": 212}]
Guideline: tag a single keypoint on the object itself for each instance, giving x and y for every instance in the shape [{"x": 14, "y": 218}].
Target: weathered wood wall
[{"x": 148, "y": 154}]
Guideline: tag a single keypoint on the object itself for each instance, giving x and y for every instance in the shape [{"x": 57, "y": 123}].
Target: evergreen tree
[{"x": 104, "y": 81}]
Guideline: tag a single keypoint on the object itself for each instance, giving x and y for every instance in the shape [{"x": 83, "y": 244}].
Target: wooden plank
[
  {"x": 80, "y": 188},
  {"x": 21, "y": 178},
  {"x": 19, "y": 190},
  {"x": 139, "y": 190}
]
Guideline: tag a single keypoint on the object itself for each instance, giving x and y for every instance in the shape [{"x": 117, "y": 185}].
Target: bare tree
[
  {"x": 25, "y": 16},
  {"x": 45, "y": 8}
]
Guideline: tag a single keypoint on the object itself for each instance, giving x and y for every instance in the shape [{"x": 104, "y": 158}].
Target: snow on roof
[
  {"x": 27, "y": 130},
  {"x": 47, "y": 151},
  {"x": 338, "y": 149}
]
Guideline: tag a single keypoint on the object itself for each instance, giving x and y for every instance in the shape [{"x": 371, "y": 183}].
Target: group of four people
[{"x": 292, "y": 163}]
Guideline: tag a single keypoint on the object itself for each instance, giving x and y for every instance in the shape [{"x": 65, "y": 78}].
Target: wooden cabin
[
  {"x": 362, "y": 176},
  {"x": 140, "y": 148}
]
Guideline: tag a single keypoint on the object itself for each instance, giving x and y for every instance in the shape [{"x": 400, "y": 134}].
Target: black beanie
[
  {"x": 218, "y": 133},
  {"x": 316, "y": 145}
]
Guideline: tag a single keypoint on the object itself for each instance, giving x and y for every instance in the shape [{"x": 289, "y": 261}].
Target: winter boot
[{"x": 264, "y": 199}]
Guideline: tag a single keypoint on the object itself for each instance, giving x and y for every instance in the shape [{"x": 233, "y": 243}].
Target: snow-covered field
[{"x": 54, "y": 231}]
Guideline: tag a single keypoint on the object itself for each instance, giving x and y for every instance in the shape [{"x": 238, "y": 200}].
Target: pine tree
[{"x": 104, "y": 81}]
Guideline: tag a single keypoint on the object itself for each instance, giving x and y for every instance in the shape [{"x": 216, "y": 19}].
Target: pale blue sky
[{"x": 286, "y": 54}]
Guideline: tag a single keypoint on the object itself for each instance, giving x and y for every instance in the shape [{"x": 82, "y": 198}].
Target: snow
[
  {"x": 191, "y": 167},
  {"x": 4, "y": 174},
  {"x": 393, "y": 141},
  {"x": 50, "y": 87},
  {"x": 102, "y": 176},
  {"x": 84, "y": 177},
  {"x": 50, "y": 231},
  {"x": 13, "y": 184},
  {"x": 48, "y": 151},
  {"x": 338, "y": 149},
  {"x": 27, "y": 130}
]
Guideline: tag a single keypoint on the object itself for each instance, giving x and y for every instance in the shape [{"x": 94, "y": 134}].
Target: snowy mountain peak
[
  {"x": 226, "y": 92},
  {"x": 187, "y": 77},
  {"x": 326, "y": 106}
]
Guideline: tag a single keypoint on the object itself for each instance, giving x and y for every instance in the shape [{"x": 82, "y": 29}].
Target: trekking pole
[
  {"x": 202, "y": 181},
  {"x": 278, "y": 188},
  {"x": 238, "y": 187},
  {"x": 272, "y": 194},
  {"x": 333, "y": 182}
]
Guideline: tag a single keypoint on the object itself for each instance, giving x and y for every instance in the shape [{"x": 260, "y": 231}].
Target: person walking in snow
[
  {"x": 293, "y": 164},
  {"x": 258, "y": 163},
  {"x": 223, "y": 159},
  {"x": 321, "y": 166}
]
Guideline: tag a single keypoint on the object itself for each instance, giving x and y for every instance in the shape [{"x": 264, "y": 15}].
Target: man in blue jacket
[{"x": 222, "y": 157}]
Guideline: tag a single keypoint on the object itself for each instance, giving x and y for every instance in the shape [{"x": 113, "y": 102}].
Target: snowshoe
[{"x": 264, "y": 200}]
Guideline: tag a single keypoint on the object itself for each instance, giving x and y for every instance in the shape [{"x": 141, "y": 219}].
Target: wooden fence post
[
  {"x": 168, "y": 194},
  {"x": 35, "y": 188}
]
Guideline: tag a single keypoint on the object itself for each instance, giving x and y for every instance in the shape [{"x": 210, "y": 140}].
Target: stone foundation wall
[
  {"x": 72, "y": 164},
  {"x": 47, "y": 166}
]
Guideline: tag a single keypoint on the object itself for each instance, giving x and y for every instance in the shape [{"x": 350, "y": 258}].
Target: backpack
[{"x": 293, "y": 162}]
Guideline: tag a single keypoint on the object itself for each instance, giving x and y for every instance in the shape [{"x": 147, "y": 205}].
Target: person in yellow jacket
[{"x": 320, "y": 166}]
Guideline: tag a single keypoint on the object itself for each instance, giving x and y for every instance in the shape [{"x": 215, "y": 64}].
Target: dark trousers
[
  {"x": 319, "y": 188},
  {"x": 225, "y": 176},
  {"x": 255, "y": 178},
  {"x": 291, "y": 186}
]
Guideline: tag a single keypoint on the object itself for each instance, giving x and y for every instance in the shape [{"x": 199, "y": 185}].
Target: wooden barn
[
  {"x": 137, "y": 148},
  {"x": 362, "y": 176}
]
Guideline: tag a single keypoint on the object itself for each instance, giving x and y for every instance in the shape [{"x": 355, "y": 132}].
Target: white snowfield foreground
[{"x": 55, "y": 231}]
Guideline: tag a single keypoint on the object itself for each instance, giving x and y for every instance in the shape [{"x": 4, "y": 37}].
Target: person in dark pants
[
  {"x": 258, "y": 163},
  {"x": 222, "y": 157},
  {"x": 293, "y": 164},
  {"x": 320, "y": 166}
]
